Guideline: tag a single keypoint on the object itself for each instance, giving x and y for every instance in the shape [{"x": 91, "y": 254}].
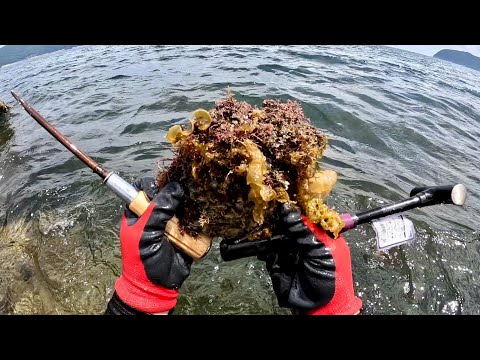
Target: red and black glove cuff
[
  {"x": 344, "y": 301},
  {"x": 152, "y": 268},
  {"x": 134, "y": 287},
  {"x": 116, "y": 306}
]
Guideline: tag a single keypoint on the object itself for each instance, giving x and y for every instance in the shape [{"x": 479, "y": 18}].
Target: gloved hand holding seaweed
[
  {"x": 153, "y": 270},
  {"x": 311, "y": 272}
]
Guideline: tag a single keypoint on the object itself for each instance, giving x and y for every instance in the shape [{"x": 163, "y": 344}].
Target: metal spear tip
[{"x": 15, "y": 95}]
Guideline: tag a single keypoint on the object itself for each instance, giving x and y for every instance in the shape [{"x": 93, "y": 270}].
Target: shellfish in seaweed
[{"x": 237, "y": 162}]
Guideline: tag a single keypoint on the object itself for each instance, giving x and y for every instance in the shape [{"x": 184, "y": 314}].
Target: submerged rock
[
  {"x": 6, "y": 305},
  {"x": 4, "y": 108}
]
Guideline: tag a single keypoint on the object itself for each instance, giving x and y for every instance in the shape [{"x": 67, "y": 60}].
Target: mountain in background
[
  {"x": 459, "y": 57},
  {"x": 13, "y": 53}
]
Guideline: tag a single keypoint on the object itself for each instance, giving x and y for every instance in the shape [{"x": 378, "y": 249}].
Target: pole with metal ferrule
[
  {"x": 232, "y": 249},
  {"x": 196, "y": 247}
]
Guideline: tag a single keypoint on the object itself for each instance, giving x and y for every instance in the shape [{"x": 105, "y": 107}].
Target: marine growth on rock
[
  {"x": 237, "y": 162},
  {"x": 4, "y": 107}
]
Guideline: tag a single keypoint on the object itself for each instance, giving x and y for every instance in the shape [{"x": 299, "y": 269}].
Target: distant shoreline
[
  {"x": 10, "y": 54},
  {"x": 459, "y": 57}
]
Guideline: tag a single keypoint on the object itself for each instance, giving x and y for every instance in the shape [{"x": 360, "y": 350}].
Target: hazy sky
[{"x": 432, "y": 49}]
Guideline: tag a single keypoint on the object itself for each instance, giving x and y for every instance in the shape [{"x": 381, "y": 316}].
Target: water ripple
[{"x": 395, "y": 120}]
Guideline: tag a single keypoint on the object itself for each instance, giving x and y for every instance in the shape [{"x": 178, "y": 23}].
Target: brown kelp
[{"x": 236, "y": 162}]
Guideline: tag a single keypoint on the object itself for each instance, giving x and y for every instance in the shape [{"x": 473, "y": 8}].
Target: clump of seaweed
[{"x": 237, "y": 162}]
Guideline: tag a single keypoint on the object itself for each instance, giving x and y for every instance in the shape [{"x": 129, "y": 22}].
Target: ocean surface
[{"x": 395, "y": 120}]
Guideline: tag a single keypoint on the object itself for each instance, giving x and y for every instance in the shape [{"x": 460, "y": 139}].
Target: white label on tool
[{"x": 392, "y": 231}]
